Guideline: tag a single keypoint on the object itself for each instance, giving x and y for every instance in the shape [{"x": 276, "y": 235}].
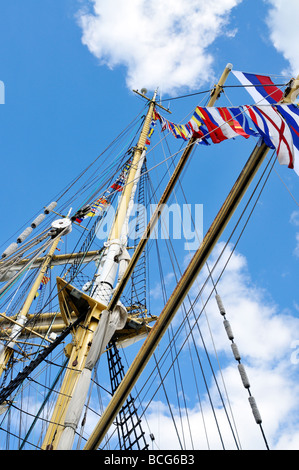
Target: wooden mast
[{"x": 7, "y": 352}]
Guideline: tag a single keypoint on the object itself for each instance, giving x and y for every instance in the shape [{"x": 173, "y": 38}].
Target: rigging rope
[
  {"x": 13, "y": 385},
  {"x": 176, "y": 353},
  {"x": 223, "y": 86},
  {"x": 229, "y": 239},
  {"x": 43, "y": 404},
  {"x": 194, "y": 342},
  {"x": 202, "y": 339}
]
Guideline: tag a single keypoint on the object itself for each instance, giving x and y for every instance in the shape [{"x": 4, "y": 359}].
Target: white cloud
[
  {"x": 296, "y": 250},
  {"x": 284, "y": 32},
  {"x": 294, "y": 220},
  {"x": 162, "y": 44},
  {"x": 268, "y": 340},
  {"x": 265, "y": 337}
]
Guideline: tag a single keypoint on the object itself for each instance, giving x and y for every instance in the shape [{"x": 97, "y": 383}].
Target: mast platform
[{"x": 72, "y": 304}]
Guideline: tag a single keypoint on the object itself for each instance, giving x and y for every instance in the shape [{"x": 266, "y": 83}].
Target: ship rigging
[{"x": 63, "y": 314}]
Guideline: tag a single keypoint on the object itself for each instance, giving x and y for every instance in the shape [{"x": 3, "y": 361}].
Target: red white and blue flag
[
  {"x": 206, "y": 115},
  {"x": 260, "y": 87},
  {"x": 225, "y": 122},
  {"x": 275, "y": 131},
  {"x": 277, "y": 124}
]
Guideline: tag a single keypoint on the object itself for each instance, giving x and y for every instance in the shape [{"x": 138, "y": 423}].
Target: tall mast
[
  {"x": 165, "y": 196},
  {"x": 107, "y": 271},
  {"x": 101, "y": 323},
  {"x": 142, "y": 358}
]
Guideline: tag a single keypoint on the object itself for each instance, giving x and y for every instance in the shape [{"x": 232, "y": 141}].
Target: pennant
[
  {"x": 260, "y": 87},
  {"x": 278, "y": 132}
]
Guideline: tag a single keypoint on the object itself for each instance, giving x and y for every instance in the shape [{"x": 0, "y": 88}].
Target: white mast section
[
  {"x": 109, "y": 321},
  {"x": 116, "y": 255},
  {"x": 124, "y": 258}
]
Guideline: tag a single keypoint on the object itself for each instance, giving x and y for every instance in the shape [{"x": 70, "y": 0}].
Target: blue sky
[{"x": 68, "y": 77}]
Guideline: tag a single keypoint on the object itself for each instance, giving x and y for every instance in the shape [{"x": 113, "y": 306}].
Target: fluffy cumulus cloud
[
  {"x": 284, "y": 32},
  {"x": 161, "y": 44},
  {"x": 167, "y": 44}
]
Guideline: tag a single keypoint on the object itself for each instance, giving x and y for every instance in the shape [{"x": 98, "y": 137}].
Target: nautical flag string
[
  {"x": 217, "y": 124},
  {"x": 100, "y": 205},
  {"x": 151, "y": 130},
  {"x": 120, "y": 181},
  {"x": 97, "y": 206},
  {"x": 278, "y": 125},
  {"x": 194, "y": 128},
  {"x": 44, "y": 281}
]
